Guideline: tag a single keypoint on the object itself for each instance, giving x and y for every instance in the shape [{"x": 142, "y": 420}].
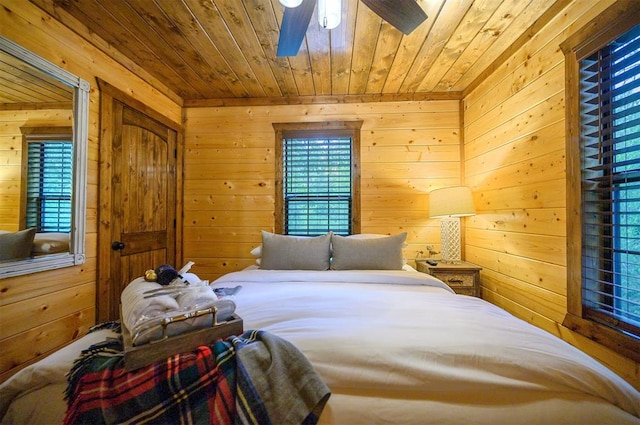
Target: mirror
[{"x": 38, "y": 95}]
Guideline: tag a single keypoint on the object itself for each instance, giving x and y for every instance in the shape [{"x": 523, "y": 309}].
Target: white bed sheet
[{"x": 405, "y": 352}]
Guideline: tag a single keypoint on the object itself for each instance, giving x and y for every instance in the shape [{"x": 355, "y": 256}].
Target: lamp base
[{"x": 450, "y": 240}]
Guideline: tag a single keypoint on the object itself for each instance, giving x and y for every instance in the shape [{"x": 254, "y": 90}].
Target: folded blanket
[
  {"x": 196, "y": 297},
  {"x": 142, "y": 315},
  {"x": 136, "y": 308},
  {"x": 255, "y": 378}
]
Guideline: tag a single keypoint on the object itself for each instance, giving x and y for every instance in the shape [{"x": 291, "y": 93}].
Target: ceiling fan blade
[
  {"x": 405, "y": 15},
  {"x": 294, "y": 26}
]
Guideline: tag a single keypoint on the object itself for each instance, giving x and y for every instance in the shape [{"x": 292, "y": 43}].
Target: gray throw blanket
[{"x": 290, "y": 389}]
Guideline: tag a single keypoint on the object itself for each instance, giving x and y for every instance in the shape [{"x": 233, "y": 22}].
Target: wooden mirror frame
[{"x": 76, "y": 254}]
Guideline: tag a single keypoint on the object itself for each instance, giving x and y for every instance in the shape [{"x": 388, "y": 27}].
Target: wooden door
[{"x": 138, "y": 198}]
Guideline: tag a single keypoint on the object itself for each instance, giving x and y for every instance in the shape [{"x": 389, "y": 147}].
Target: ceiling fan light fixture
[
  {"x": 291, "y": 3},
  {"x": 329, "y": 13}
]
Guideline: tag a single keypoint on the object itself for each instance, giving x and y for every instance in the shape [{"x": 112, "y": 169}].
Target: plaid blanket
[{"x": 225, "y": 383}]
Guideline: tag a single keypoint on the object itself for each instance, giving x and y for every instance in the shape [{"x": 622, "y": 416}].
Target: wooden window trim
[
  {"x": 612, "y": 23},
  {"x": 334, "y": 128}
]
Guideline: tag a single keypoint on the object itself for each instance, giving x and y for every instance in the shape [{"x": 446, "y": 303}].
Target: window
[
  {"x": 47, "y": 179},
  {"x": 317, "y": 178},
  {"x": 610, "y": 150},
  {"x": 603, "y": 144}
]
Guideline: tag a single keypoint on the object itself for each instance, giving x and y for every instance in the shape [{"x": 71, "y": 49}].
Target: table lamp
[{"x": 449, "y": 204}]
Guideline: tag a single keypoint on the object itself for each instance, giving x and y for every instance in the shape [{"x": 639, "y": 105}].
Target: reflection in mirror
[{"x": 43, "y": 155}]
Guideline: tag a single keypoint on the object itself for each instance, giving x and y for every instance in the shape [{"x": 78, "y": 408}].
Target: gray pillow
[
  {"x": 16, "y": 245},
  {"x": 280, "y": 252},
  {"x": 368, "y": 254}
]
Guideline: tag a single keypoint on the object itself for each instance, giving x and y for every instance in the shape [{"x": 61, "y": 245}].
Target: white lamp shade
[
  {"x": 329, "y": 13},
  {"x": 291, "y": 3},
  {"x": 453, "y": 201}
]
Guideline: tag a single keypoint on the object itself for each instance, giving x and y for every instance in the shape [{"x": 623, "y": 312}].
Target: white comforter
[
  {"x": 394, "y": 348},
  {"x": 412, "y": 352}
]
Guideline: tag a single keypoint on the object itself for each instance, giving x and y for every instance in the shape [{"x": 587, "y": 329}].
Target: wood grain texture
[
  {"x": 22, "y": 349},
  {"x": 516, "y": 165},
  {"x": 139, "y": 205},
  {"x": 42, "y": 312},
  {"x": 222, "y": 50},
  {"x": 407, "y": 149}
]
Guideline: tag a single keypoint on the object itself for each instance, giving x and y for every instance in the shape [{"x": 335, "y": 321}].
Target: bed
[
  {"x": 400, "y": 347},
  {"x": 393, "y": 346}
]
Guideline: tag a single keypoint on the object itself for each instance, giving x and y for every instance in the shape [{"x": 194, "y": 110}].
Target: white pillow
[
  {"x": 282, "y": 252},
  {"x": 378, "y": 253}
]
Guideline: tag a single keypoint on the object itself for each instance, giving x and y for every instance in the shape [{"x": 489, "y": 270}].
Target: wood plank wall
[
  {"x": 514, "y": 144},
  {"x": 407, "y": 150},
  {"x": 42, "y": 312},
  {"x": 11, "y": 156}
]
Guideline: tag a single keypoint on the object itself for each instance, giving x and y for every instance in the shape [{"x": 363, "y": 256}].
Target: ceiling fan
[{"x": 405, "y": 15}]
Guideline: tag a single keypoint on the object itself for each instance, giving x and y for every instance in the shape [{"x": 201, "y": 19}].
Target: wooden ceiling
[
  {"x": 210, "y": 52},
  {"x": 22, "y": 86}
]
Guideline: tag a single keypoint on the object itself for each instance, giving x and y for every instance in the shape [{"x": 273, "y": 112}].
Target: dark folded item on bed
[{"x": 256, "y": 377}]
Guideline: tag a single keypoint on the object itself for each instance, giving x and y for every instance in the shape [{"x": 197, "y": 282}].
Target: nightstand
[{"x": 463, "y": 278}]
